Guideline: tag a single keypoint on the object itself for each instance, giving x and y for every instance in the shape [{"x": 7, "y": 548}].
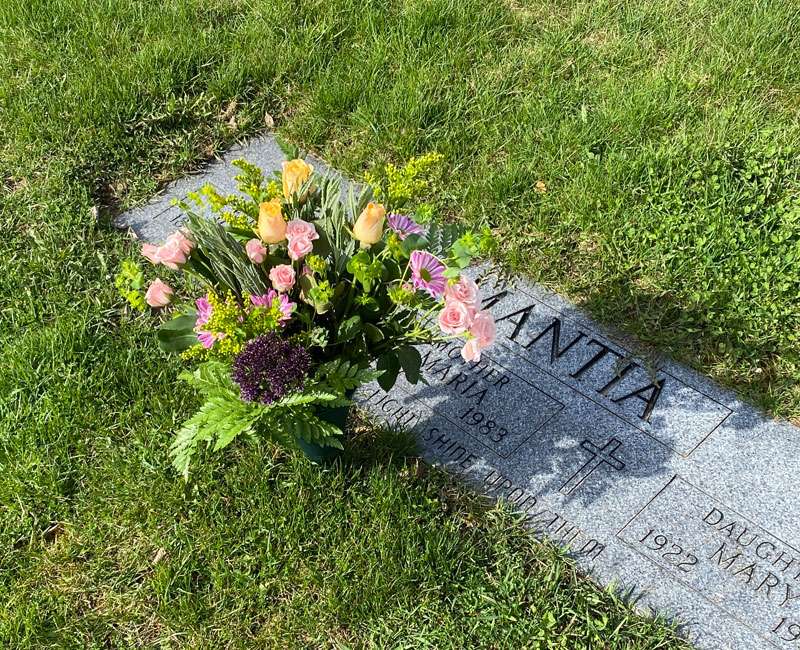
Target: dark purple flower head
[{"x": 269, "y": 368}]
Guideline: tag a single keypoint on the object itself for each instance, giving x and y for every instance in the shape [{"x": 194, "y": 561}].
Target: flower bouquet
[{"x": 295, "y": 297}]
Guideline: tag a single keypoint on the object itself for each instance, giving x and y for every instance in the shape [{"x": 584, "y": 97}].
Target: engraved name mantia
[{"x": 560, "y": 355}]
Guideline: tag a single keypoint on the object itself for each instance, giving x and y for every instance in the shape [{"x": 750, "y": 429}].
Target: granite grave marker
[{"x": 654, "y": 478}]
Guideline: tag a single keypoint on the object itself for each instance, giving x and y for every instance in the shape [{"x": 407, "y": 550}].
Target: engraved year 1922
[
  {"x": 673, "y": 553},
  {"x": 787, "y": 630}
]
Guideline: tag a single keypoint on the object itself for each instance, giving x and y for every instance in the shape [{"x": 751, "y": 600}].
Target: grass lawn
[{"x": 667, "y": 136}]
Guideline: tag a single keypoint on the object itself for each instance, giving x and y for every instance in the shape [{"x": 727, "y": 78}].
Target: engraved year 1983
[{"x": 485, "y": 426}]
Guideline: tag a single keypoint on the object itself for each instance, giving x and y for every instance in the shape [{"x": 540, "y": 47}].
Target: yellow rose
[
  {"x": 295, "y": 173},
  {"x": 271, "y": 224},
  {"x": 369, "y": 227}
]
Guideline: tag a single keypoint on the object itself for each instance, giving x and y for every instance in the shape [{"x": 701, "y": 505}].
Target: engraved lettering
[
  {"x": 650, "y": 401},
  {"x": 523, "y": 315},
  {"x": 604, "y": 350},
  {"x": 556, "y": 352}
]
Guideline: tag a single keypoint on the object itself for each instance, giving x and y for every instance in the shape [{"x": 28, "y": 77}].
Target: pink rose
[
  {"x": 300, "y": 234},
  {"x": 471, "y": 351},
  {"x": 483, "y": 329},
  {"x": 171, "y": 254},
  {"x": 465, "y": 290},
  {"x": 282, "y": 277},
  {"x": 454, "y": 318},
  {"x": 150, "y": 252},
  {"x": 159, "y": 294},
  {"x": 299, "y": 229},
  {"x": 256, "y": 251},
  {"x": 299, "y": 248},
  {"x": 185, "y": 244}
]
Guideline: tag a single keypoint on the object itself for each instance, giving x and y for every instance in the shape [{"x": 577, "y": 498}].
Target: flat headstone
[{"x": 654, "y": 478}]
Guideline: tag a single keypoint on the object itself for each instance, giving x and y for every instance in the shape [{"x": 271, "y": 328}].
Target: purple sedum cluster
[{"x": 269, "y": 368}]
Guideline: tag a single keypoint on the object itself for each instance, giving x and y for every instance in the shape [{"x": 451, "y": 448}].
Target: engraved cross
[{"x": 599, "y": 456}]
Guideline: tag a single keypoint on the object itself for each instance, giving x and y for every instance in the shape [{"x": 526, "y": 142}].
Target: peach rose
[
  {"x": 282, "y": 277},
  {"x": 183, "y": 242},
  {"x": 159, "y": 294},
  {"x": 465, "y": 290},
  {"x": 256, "y": 251},
  {"x": 150, "y": 252},
  {"x": 295, "y": 173},
  {"x": 454, "y": 318},
  {"x": 271, "y": 224},
  {"x": 173, "y": 254},
  {"x": 368, "y": 229}
]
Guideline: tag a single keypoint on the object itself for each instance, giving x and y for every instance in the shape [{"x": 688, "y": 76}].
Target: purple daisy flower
[
  {"x": 426, "y": 273},
  {"x": 403, "y": 225}
]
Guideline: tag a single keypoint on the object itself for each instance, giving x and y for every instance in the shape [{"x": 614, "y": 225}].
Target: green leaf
[
  {"x": 410, "y": 360},
  {"x": 209, "y": 377},
  {"x": 413, "y": 242},
  {"x": 289, "y": 150},
  {"x": 309, "y": 427},
  {"x": 178, "y": 334},
  {"x": 389, "y": 364},
  {"x": 373, "y": 332},
  {"x": 348, "y": 328}
]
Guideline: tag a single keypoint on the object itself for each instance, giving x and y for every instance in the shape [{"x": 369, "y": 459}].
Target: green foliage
[
  {"x": 389, "y": 366},
  {"x": 226, "y": 260},
  {"x": 410, "y": 361},
  {"x": 365, "y": 269},
  {"x": 129, "y": 282},
  {"x": 224, "y": 416},
  {"x": 177, "y": 334},
  {"x": 341, "y": 376},
  {"x": 396, "y": 186},
  {"x": 289, "y": 150}
]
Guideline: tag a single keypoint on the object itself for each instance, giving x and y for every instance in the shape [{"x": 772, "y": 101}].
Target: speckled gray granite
[{"x": 654, "y": 478}]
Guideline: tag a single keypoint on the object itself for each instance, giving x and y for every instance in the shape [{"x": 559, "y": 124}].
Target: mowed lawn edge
[{"x": 101, "y": 104}]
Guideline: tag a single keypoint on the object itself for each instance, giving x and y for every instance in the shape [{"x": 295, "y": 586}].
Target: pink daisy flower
[
  {"x": 426, "y": 273},
  {"x": 203, "y": 310},
  {"x": 284, "y": 304},
  {"x": 403, "y": 225},
  {"x": 207, "y": 338}
]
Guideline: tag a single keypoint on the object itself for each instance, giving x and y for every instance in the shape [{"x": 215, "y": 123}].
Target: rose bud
[
  {"x": 368, "y": 229},
  {"x": 295, "y": 173},
  {"x": 159, "y": 294},
  {"x": 271, "y": 224}
]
